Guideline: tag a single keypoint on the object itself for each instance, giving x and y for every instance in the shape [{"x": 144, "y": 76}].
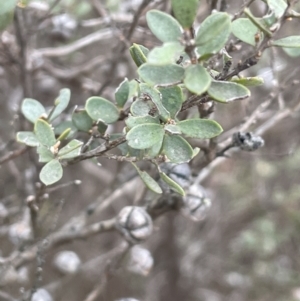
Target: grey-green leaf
[
  {"x": 32, "y": 109},
  {"x": 155, "y": 97},
  {"x": 161, "y": 75},
  {"x": 51, "y": 173},
  {"x": 177, "y": 149},
  {"x": 71, "y": 150},
  {"x": 244, "y": 30},
  {"x": 61, "y": 103},
  {"x": 289, "y": 42},
  {"x": 249, "y": 81},
  {"x": 185, "y": 11},
  {"x": 81, "y": 120},
  {"x": 27, "y": 138},
  {"x": 213, "y": 33},
  {"x": 145, "y": 135},
  {"x": 148, "y": 180},
  {"x": 168, "y": 53},
  {"x": 172, "y": 99},
  {"x": 227, "y": 91},
  {"x": 200, "y": 128},
  {"x": 45, "y": 155},
  {"x": 133, "y": 121},
  {"x": 292, "y": 52},
  {"x": 142, "y": 108},
  {"x": 101, "y": 108},
  {"x": 174, "y": 185},
  {"x": 139, "y": 54},
  {"x": 278, "y": 6},
  {"x": 197, "y": 79},
  {"x": 122, "y": 93},
  {"x": 164, "y": 26},
  {"x": 68, "y": 124},
  {"x": 44, "y": 133}
]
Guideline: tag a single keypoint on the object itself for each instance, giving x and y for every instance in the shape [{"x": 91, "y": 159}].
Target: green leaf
[
  {"x": 257, "y": 22},
  {"x": 278, "y": 6},
  {"x": 6, "y": 19},
  {"x": 161, "y": 75},
  {"x": 71, "y": 150},
  {"x": 61, "y": 103},
  {"x": 245, "y": 30},
  {"x": 249, "y": 81},
  {"x": 7, "y": 6},
  {"x": 51, "y": 172},
  {"x": 163, "y": 26},
  {"x": 227, "y": 91},
  {"x": 27, "y": 138},
  {"x": 168, "y": 53},
  {"x": 45, "y": 155},
  {"x": 102, "y": 127},
  {"x": 44, "y": 133},
  {"x": 82, "y": 121},
  {"x": 133, "y": 89},
  {"x": 64, "y": 134},
  {"x": 185, "y": 11},
  {"x": 133, "y": 121},
  {"x": 200, "y": 128},
  {"x": 174, "y": 185},
  {"x": 139, "y": 54},
  {"x": 213, "y": 33},
  {"x": 197, "y": 79},
  {"x": 148, "y": 181},
  {"x": 173, "y": 129},
  {"x": 68, "y": 124},
  {"x": 155, "y": 97},
  {"x": 289, "y": 42},
  {"x": 145, "y": 135},
  {"x": 122, "y": 93},
  {"x": 32, "y": 109},
  {"x": 101, "y": 108},
  {"x": 154, "y": 150},
  {"x": 172, "y": 99},
  {"x": 292, "y": 52},
  {"x": 142, "y": 108},
  {"x": 177, "y": 149}
]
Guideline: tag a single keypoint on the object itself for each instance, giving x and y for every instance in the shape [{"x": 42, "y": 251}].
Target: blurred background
[{"x": 247, "y": 247}]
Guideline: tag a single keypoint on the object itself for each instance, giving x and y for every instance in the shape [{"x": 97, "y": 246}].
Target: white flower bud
[
  {"x": 195, "y": 203},
  {"x": 134, "y": 223},
  {"x": 67, "y": 262},
  {"x": 41, "y": 295},
  {"x": 141, "y": 261}
]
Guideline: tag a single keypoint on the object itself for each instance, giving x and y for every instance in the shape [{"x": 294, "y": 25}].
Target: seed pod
[
  {"x": 41, "y": 295},
  {"x": 67, "y": 262},
  {"x": 196, "y": 203},
  {"x": 247, "y": 141},
  {"x": 180, "y": 173},
  {"x": 140, "y": 261},
  {"x": 134, "y": 223}
]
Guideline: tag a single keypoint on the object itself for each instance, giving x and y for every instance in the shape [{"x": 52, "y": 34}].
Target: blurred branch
[{"x": 13, "y": 154}]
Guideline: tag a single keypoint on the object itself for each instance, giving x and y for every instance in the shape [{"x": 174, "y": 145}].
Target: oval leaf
[
  {"x": 288, "y": 42},
  {"x": 213, "y": 33},
  {"x": 27, "y": 138},
  {"x": 51, "y": 172},
  {"x": 133, "y": 121},
  {"x": 257, "y": 22},
  {"x": 244, "y": 30},
  {"x": 145, "y": 135},
  {"x": 249, "y": 81},
  {"x": 163, "y": 26},
  {"x": 197, "y": 79},
  {"x": 155, "y": 97},
  {"x": 185, "y": 11},
  {"x": 63, "y": 126},
  {"x": 172, "y": 99},
  {"x": 122, "y": 93},
  {"x": 292, "y": 52},
  {"x": 44, "y": 133},
  {"x": 61, "y": 103},
  {"x": 148, "y": 180},
  {"x": 71, "y": 150},
  {"x": 142, "y": 108},
  {"x": 82, "y": 121},
  {"x": 32, "y": 109},
  {"x": 227, "y": 91},
  {"x": 161, "y": 75},
  {"x": 166, "y": 54},
  {"x": 278, "y": 6},
  {"x": 177, "y": 149},
  {"x": 200, "y": 128},
  {"x": 101, "y": 108},
  {"x": 174, "y": 185},
  {"x": 45, "y": 155},
  {"x": 139, "y": 54}
]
